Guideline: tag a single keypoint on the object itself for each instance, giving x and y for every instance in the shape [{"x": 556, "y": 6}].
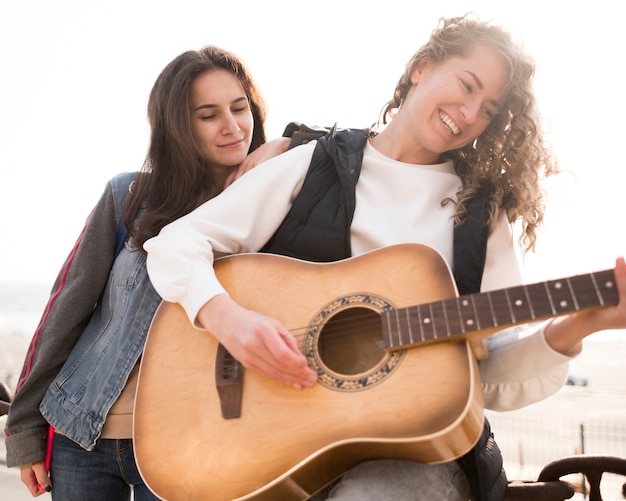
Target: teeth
[{"x": 448, "y": 121}]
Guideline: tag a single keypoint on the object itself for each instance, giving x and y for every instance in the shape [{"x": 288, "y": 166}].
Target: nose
[
  {"x": 470, "y": 111},
  {"x": 230, "y": 125}
]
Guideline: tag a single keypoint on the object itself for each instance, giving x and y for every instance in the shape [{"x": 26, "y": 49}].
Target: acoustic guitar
[{"x": 395, "y": 349}]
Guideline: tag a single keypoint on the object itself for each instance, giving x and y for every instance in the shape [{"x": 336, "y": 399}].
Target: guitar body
[{"x": 423, "y": 403}]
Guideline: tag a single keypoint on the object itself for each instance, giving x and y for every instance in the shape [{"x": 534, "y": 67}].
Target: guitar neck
[{"x": 462, "y": 316}]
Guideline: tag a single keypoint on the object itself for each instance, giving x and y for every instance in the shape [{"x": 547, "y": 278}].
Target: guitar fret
[
  {"x": 454, "y": 321},
  {"x": 521, "y": 304},
  {"x": 399, "y": 328},
  {"x": 421, "y": 323},
  {"x": 529, "y": 302},
  {"x": 508, "y": 303},
  {"x": 487, "y": 313},
  {"x": 390, "y": 330},
  {"x": 492, "y": 310},
  {"x": 538, "y": 300},
  {"x": 552, "y": 308},
  {"x": 611, "y": 289},
  {"x": 432, "y": 321},
  {"x": 573, "y": 294},
  {"x": 482, "y": 311},
  {"x": 473, "y": 300},
  {"x": 591, "y": 292},
  {"x": 561, "y": 296},
  {"x": 445, "y": 317},
  {"x": 597, "y": 289},
  {"x": 426, "y": 321},
  {"x": 460, "y": 313},
  {"x": 405, "y": 334},
  {"x": 408, "y": 322},
  {"x": 501, "y": 307}
]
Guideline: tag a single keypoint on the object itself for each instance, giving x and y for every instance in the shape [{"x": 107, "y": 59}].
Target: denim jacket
[
  {"x": 81, "y": 355},
  {"x": 78, "y": 400}
]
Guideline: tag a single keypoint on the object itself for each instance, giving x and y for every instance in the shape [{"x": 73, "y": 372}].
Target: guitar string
[
  {"x": 338, "y": 327},
  {"x": 335, "y": 330}
]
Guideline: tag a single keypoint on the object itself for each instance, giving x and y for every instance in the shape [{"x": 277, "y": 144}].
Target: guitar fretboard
[{"x": 461, "y": 316}]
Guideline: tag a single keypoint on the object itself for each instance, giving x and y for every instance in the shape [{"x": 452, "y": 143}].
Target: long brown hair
[
  {"x": 174, "y": 178},
  {"x": 511, "y": 157}
]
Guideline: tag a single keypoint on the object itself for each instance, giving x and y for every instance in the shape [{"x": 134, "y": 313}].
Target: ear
[{"x": 419, "y": 68}]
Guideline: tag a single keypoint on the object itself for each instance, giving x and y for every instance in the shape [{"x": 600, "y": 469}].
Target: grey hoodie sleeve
[{"x": 73, "y": 297}]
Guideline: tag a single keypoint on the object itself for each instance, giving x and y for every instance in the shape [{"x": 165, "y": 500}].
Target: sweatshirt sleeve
[
  {"x": 73, "y": 297},
  {"x": 241, "y": 219},
  {"x": 521, "y": 368}
]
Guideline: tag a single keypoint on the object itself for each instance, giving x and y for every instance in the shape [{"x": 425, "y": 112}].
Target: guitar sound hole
[{"x": 351, "y": 341}]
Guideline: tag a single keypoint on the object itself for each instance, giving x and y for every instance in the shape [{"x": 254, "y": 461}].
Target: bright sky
[{"x": 76, "y": 76}]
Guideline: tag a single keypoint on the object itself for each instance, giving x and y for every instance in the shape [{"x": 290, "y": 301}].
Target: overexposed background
[
  {"x": 76, "y": 74},
  {"x": 75, "y": 77}
]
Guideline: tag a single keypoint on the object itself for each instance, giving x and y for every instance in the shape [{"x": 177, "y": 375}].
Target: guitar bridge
[{"x": 229, "y": 383}]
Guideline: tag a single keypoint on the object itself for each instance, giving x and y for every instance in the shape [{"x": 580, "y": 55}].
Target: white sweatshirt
[{"x": 396, "y": 203}]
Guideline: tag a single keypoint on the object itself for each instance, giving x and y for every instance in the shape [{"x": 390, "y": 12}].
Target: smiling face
[
  {"x": 221, "y": 119},
  {"x": 451, "y": 103}
]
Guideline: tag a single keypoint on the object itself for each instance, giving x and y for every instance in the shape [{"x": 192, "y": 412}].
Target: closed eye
[{"x": 240, "y": 109}]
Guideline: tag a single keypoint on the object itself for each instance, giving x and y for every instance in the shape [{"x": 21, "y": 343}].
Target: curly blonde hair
[{"x": 510, "y": 158}]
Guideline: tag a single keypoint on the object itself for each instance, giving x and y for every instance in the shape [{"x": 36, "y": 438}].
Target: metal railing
[{"x": 529, "y": 443}]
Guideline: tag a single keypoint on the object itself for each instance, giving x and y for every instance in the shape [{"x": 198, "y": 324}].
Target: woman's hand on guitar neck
[
  {"x": 260, "y": 343},
  {"x": 564, "y": 334}
]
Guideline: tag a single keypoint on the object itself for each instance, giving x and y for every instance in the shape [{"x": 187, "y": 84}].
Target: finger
[
  {"x": 42, "y": 477},
  {"x": 28, "y": 478},
  {"x": 245, "y": 166},
  {"x": 230, "y": 179},
  {"x": 290, "y": 341},
  {"x": 295, "y": 380},
  {"x": 301, "y": 365},
  {"x": 620, "y": 269},
  {"x": 286, "y": 355},
  {"x": 270, "y": 355}
]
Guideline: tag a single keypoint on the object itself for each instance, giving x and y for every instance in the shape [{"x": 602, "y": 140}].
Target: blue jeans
[{"x": 108, "y": 473}]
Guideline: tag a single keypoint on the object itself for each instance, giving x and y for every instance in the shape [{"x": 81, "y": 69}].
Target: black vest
[{"x": 317, "y": 228}]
